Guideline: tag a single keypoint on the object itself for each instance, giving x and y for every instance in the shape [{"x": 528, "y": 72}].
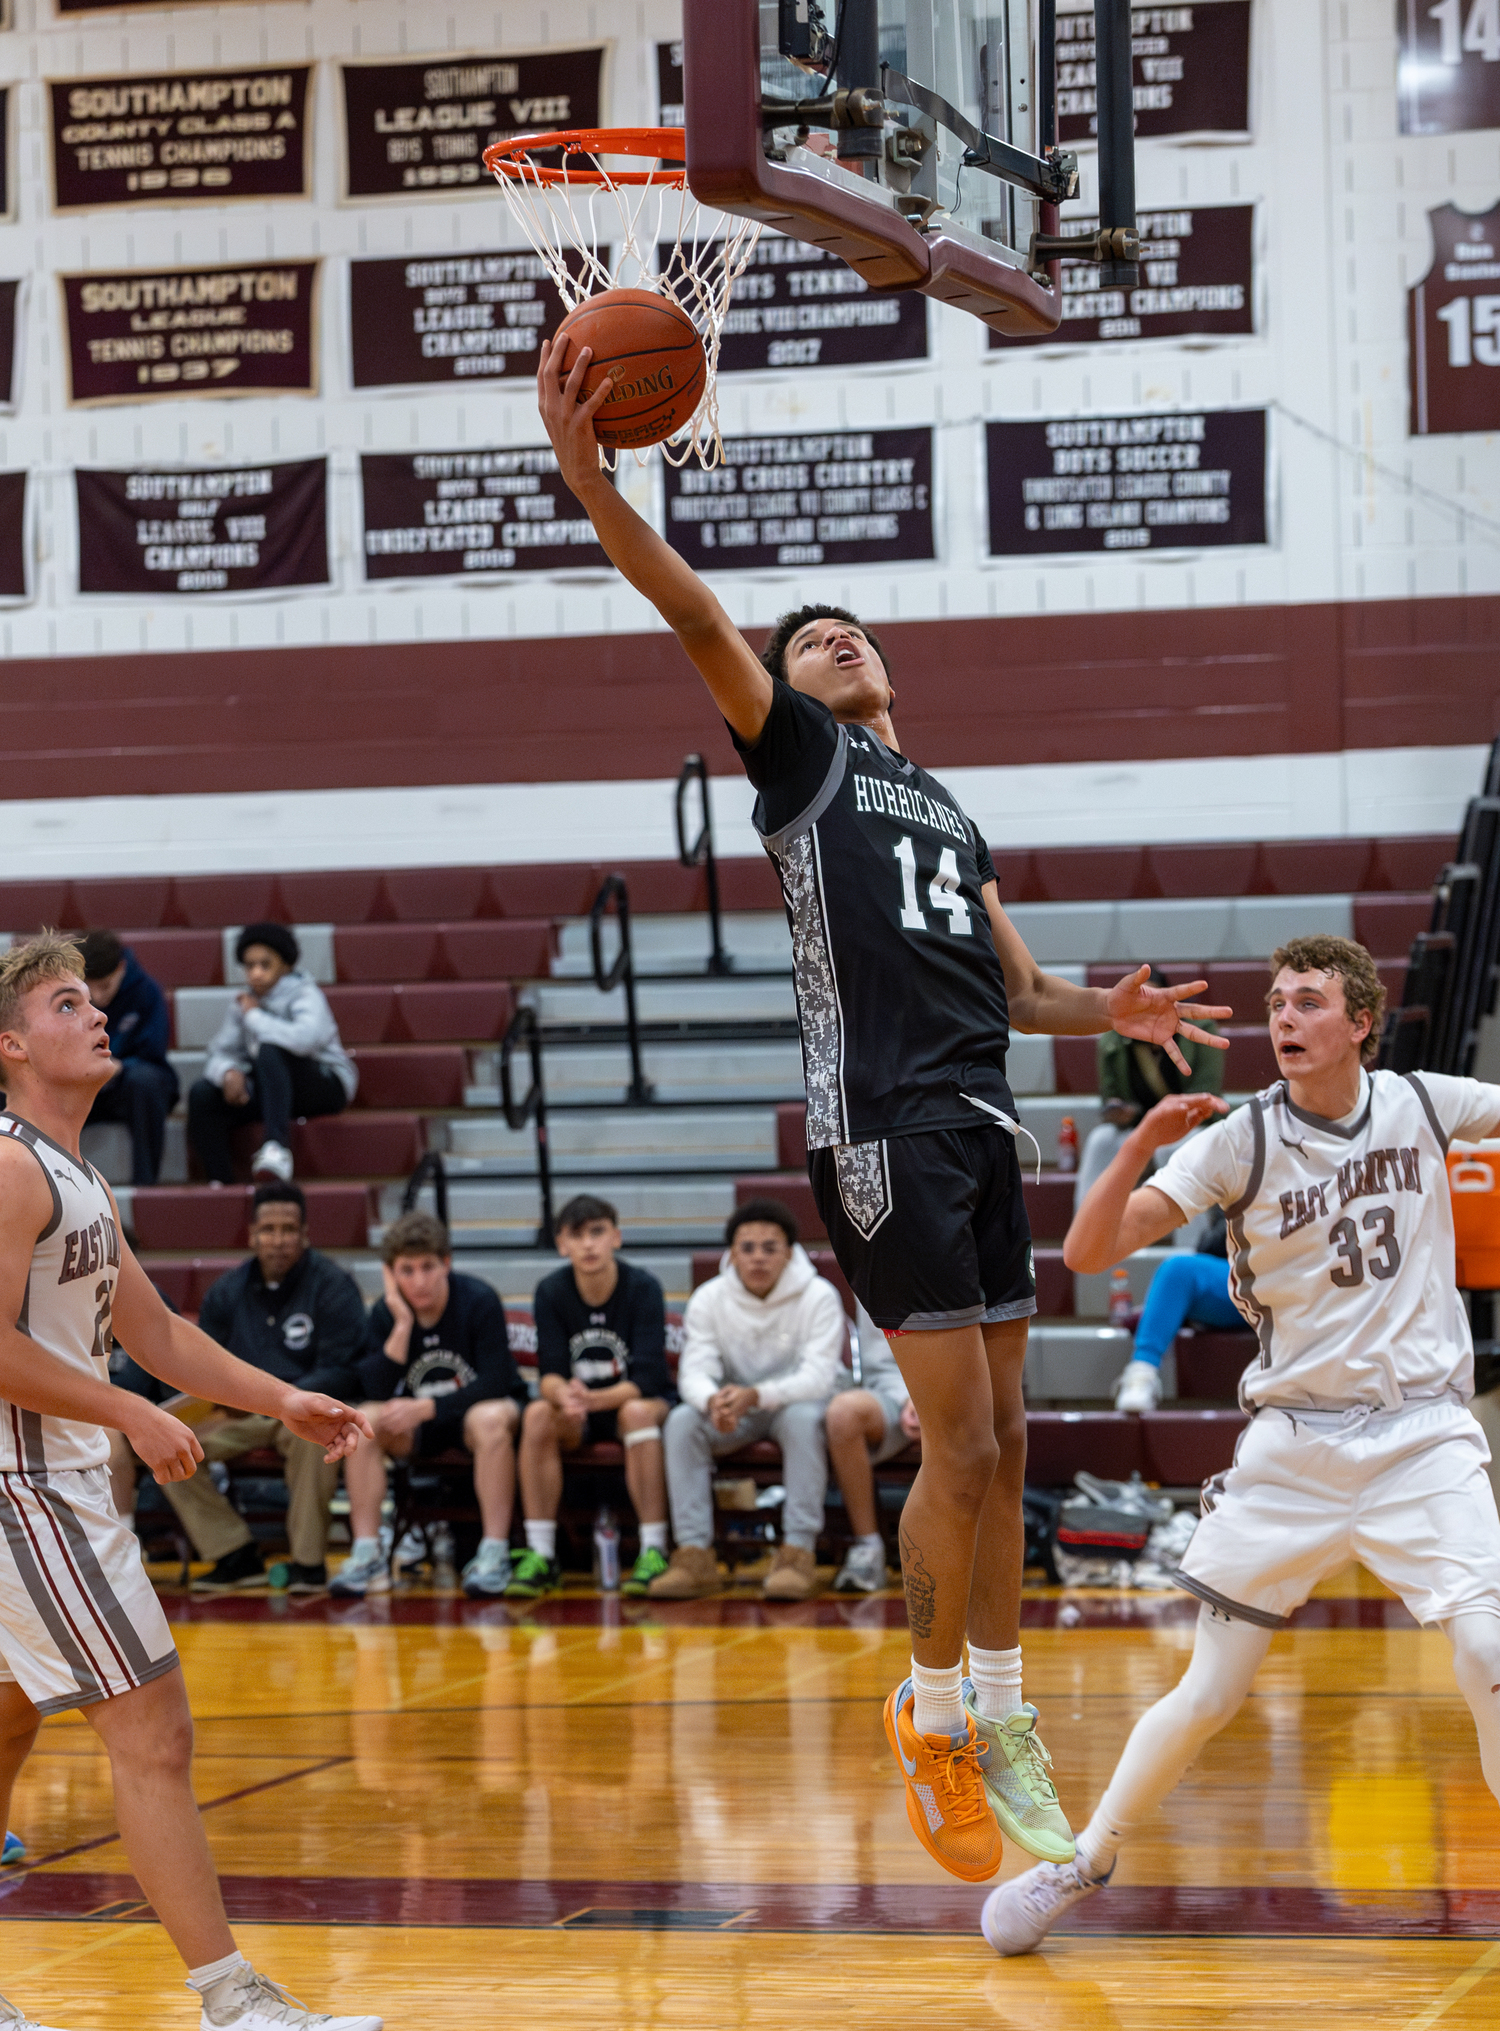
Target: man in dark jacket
[
  {"x": 143, "y": 1091},
  {"x": 300, "y": 1317}
]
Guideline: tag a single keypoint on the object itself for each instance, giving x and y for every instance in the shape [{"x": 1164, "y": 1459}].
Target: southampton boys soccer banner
[
  {"x": 442, "y": 514},
  {"x": 247, "y": 529},
  {"x": 1197, "y": 281},
  {"x": 1453, "y": 326},
  {"x": 449, "y": 317},
  {"x": 1191, "y": 71},
  {"x": 1448, "y": 77},
  {"x": 1127, "y": 482},
  {"x": 834, "y": 497},
  {"x": 180, "y": 139},
  {"x": 414, "y": 129},
  {"x": 192, "y": 331}
]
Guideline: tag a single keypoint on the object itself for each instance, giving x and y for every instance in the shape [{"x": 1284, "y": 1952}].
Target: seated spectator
[
  {"x": 275, "y": 1057},
  {"x": 144, "y": 1089},
  {"x": 763, "y": 1352},
  {"x": 296, "y": 1314},
  {"x": 437, "y": 1373},
  {"x": 124, "y": 1467},
  {"x": 601, "y": 1354},
  {"x": 1133, "y": 1076},
  {"x": 870, "y": 1419},
  {"x": 1189, "y": 1285}
]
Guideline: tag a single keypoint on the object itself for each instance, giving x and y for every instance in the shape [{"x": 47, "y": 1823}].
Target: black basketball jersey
[{"x": 899, "y": 989}]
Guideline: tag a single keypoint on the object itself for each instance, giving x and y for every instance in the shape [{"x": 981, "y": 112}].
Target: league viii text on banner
[
  {"x": 1127, "y": 482},
  {"x": 1448, "y": 78},
  {"x": 449, "y": 317},
  {"x": 1453, "y": 326},
  {"x": 180, "y": 138},
  {"x": 440, "y": 514},
  {"x": 1191, "y": 70},
  {"x": 1197, "y": 281},
  {"x": 800, "y": 306},
  {"x": 192, "y": 331},
  {"x": 835, "y": 497},
  {"x": 241, "y": 530},
  {"x": 421, "y": 129}
]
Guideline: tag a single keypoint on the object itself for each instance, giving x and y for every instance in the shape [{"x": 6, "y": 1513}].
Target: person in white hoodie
[
  {"x": 764, "y": 1347},
  {"x": 275, "y": 1057}
]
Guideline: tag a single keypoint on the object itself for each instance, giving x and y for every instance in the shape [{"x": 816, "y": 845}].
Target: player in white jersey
[
  {"x": 79, "y": 1623},
  {"x": 1362, "y": 1445}
]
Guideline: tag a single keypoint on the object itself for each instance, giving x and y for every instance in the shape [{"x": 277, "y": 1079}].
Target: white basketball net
[{"x": 607, "y": 235}]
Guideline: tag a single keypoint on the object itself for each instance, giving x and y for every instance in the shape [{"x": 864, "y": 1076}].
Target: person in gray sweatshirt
[{"x": 276, "y": 1056}]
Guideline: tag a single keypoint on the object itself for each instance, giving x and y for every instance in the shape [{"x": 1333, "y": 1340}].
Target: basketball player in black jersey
[{"x": 908, "y": 976}]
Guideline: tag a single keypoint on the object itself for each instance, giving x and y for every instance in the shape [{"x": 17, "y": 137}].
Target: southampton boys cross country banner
[
  {"x": 192, "y": 331},
  {"x": 180, "y": 138},
  {"x": 242, "y": 529}
]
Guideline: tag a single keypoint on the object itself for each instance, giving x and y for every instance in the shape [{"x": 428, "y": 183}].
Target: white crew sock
[
  {"x": 997, "y": 1681},
  {"x": 654, "y": 1537},
  {"x": 213, "y": 1972},
  {"x": 873, "y": 1543},
  {"x": 938, "y": 1708},
  {"x": 493, "y": 1544},
  {"x": 541, "y": 1536},
  {"x": 365, "y": 1547}
]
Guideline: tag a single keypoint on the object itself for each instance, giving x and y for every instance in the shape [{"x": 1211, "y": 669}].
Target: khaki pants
[{"x": 216, "y": 1527}]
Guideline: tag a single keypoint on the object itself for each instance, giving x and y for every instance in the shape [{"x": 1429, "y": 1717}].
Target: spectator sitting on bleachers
[
  {"x": 601, "y": 1346},
  {"x": 297, "y": 1315},
  {"x": 1133, "y": 1076},
  {"x": 124, "y": 1467},
  {"x": 275, "y": 1057},
  {"x": 870, "y": 1419},
  {"x": 437, "y": 1373},
  {"x": 763, "y": 1351},
  {"x": 1189, "y": 1285},
  {"x": 143, "y": 1091}
]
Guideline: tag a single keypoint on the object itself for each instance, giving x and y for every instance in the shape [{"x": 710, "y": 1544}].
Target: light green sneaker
[
  {"x": 1017, "y": 1785},
  {"x": 648, "y": 1567}
]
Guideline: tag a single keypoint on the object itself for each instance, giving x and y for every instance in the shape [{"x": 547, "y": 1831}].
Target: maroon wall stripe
[{"x": 1059, "y": 688}]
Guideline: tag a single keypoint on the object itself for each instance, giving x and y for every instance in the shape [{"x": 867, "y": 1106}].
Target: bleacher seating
[{"x": 425, "y": 968}]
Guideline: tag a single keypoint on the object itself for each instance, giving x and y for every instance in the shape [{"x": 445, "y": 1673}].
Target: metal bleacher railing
[
  {"x": 1452, "y": 982},
  {"x": 532, "y": 1106},
  {"x": 621, "y": 970},
  {"x": 701, "y": 854}
]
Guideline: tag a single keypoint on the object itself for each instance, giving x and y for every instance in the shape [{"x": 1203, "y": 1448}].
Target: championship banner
[
  {"x": 449, "y": 317},
  {"x": 798, "y": 306},
  {"x": 1197, "y": 280},
  {"x": 669, "y": 83},
  {"x": 845, "y": 497},
  {"x": 1127, "y": 482},
  {"x": 13, "y": 544},
  {"x": 10, "y": 295},
  {"x": 1448, "y": 72},
  {"x": 112, "y": 6},
  {"x": 411, "y": 128},
  {"x": 247, "y": 529},
  {"x": 443, "y": 514},
  {"x": 7, "y": 193},
  {"x": 1191, "y": 70},
  {"x": 1453, "y": 327},
  {"x": 192, "y": 331},
  {"x": 178, "y": 138}
]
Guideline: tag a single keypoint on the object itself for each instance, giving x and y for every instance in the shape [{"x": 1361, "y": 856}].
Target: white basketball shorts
[
  {"x": 1405, "y": 1493},
  {"x": 79, "y": 1621}
]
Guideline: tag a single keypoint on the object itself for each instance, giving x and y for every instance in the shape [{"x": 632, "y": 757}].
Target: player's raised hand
[
  {"x": 1155, "y": 1015},
  {"x": 1178, "y": 1115},
  {"x": 568, "y": 413},
  {"x": 326, "y": 1422}
]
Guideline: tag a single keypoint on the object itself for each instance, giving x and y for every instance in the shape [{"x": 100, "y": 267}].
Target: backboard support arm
[{"x": 1115, "y": 91}]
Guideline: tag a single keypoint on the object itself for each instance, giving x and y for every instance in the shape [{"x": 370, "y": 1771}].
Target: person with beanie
[{"x": 275, "y": 1058}]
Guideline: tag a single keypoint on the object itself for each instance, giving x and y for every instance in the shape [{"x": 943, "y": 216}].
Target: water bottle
[
  {"x": 606, "y": 1551},
  {"x": 1121, "y": 1303},
  {"x": 1067, "y": 1144},
  {"x": 441, "y": 1542}
]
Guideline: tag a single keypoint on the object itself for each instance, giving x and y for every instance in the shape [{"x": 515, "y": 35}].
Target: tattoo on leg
[{"x": 921, "y": 1588}]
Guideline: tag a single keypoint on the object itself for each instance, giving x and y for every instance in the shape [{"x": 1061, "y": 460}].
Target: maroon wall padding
[
  {"x": 433, "y": 1076},
  {"x": 1203, "y": 870},
  {"x": 1091, "y": 687},
  {"x": 339, "y": 896},
  {"x": 1075, "y": 1064},
  {"x": 791, "y": 1135},
  {"x": 454, "y": 1011},
  {"x": 1049, "y": 1205},
  {"x": 1386, "y": 925},
  {"x": 423, "y": 894},
  {"x": 1102, "y": 1442},
  {"x": 208, "y": 901},
  {"x": 1184, "y": 1447},
  {"x": 1074, "y": 874},
  {"x": 360, "y": 1144},
  {"x": 1329, "y": 867},
  {"x": 1209, "y": 1365},
  {"x": 517, "y": 949},
  {"x": 365, "y": 1015},
  {"x": 196, "y": 1217},
  {"x": 1054, "y": 1284},
  {"x": 1250, "y": 1061},
  {"x": 185, "y": 1279},
  {"x": 385, "y": 951},
  {"x": 115, "y": 900},
  {"x": 179, "y": 958}
]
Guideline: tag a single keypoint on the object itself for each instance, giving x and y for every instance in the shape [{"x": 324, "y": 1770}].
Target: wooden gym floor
[{"x": 599, "y": 1815}]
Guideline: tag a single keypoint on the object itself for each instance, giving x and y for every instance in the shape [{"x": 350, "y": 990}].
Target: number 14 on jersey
[{"x": 942, "y": 891}]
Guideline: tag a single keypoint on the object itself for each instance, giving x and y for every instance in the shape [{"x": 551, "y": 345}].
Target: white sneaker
[
  {"x": 250, "y": 2002},
  {"x": 1018, "y": 1916},
  {"x": 863, "y": 1570},
  {"x": 17, "y": 2020},
  {"x": 488, "y": 1572},
  {"x": 272, "y": 1160},
  {"x": 1139, "y": 1388},
  {"x": 364, "y": 1572}
]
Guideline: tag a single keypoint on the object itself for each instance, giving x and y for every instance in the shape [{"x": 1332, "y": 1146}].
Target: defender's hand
[
  {"x": 326, "y": 1422},
  {"x": 568, "y": 413},
  {"x": 163, "y": 1442},
  {"x": 1176, "y": 1116},
  {"x": 1154, "y": 1014}
]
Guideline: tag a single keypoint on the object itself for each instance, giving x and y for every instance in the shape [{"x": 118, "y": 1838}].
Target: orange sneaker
[{"x": 945, "y": 1798}]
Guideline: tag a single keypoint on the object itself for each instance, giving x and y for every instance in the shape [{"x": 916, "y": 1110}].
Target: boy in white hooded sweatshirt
[{"x": 764, "y": 1344}]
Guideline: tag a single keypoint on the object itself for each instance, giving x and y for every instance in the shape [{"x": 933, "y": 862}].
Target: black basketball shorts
[{"x": 930, "y": 1229}]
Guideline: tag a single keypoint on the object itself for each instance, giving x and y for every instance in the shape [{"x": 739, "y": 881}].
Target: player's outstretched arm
[
  {"x": 1117, "y": 1218},
  {"x": 168, "y": 1347},
  {"x": 734, "y": 674}
]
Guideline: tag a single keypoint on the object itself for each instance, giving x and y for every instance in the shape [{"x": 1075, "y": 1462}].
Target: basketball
[{"x": 648, "y": 346}]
